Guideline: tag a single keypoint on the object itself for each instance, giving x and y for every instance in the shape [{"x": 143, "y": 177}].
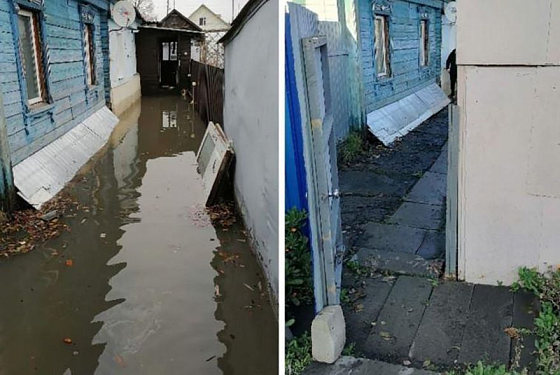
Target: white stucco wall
[
  {"x": 251, "y": 122},
  {"x": 125, "y": 81},
  {"x": 509, "y": 180}
]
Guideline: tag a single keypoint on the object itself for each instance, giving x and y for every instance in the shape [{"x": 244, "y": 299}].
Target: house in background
[
  {"x": 55, "y": 85},
  {"x": 400, "y": 61},
  {"x": 251, "y": 123},
  {"x": 163, "y": 51},
  {"x": 125, "y": 80},
  {"x": 210, "y": 52}
]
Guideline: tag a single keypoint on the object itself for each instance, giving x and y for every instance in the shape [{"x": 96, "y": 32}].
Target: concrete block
[{"x": 328, "y": 334}]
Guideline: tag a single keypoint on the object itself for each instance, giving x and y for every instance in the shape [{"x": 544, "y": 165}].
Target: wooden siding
[
  {"x": 71, "y": 101},
  {"x": 147, "y": 52},
  {"x": 404, "y": 32}
]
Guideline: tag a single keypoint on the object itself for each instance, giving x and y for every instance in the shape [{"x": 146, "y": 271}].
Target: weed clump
[{"x": 352, "y": 147}]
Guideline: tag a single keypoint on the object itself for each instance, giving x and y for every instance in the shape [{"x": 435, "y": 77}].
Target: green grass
[
  {"x": 483, "y": 369},
  {"x": 352, "y": 147},
  {"x": 298, "y": 354},
  {"x": 546, "y": 286},
  {"x": 299, "y": 283}
]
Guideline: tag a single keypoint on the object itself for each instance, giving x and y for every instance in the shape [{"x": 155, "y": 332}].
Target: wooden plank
[{"x": 451, "y": 241}]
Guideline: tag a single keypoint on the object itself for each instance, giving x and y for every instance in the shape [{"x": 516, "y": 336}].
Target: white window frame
[
  {"x": 90, "y": 65},
  {"x": 424, "y": 43},
  {"x": 36, "y": 54},
  {"x": 383, "y": 43},
  {"x": 202, "y": 21}
]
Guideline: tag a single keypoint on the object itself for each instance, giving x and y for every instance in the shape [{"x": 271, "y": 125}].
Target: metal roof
[
  {"x": 45, "y": 173},
  {"x": 397, "y": 119}
]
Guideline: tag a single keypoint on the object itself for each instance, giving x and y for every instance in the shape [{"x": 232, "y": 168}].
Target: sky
[{"x": 221, "y": 7}]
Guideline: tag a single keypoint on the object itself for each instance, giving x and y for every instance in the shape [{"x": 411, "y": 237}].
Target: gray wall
[{"x": 251, "y": 122}]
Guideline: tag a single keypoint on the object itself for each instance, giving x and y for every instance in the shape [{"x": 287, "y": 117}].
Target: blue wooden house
[
  {"x": 54, "y": 80},
  {"x": 400, "y": 64},
  {"x": 384, "y": 59}
]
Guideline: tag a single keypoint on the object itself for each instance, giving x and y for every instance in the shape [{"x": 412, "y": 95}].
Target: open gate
[{"x": 324, "y": 194}]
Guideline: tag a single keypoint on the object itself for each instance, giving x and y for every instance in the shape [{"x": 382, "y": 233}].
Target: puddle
[{"x": 152, "y": 287}]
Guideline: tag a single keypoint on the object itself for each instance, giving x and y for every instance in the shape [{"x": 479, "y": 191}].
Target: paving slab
[
  {"x": 441, "y": 331},
  {"x": 430, "y": 189},
  {"x": 440, "y": 166},
  {"x": 419, "y": 215},
  {"x": 491, "y": 312},
  {"x": 371, "y": 183},
  {"x": 433, "y": 246},
  {"x": 398, "y": 263},
  {"x": 361, "y": 366},
  {"x": 525, "y": 309},
  {"x": 399, "y": 319},
  {"x": 360, "y": 313},
  {"x": 362, "y": 209},
  {"x": 391, "y": 237}
]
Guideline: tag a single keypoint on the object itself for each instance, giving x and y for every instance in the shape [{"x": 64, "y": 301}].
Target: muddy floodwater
[{"x": 143, "y": 282}]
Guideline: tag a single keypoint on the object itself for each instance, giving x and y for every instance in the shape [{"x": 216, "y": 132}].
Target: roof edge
[{"x": 247, "y": 12}]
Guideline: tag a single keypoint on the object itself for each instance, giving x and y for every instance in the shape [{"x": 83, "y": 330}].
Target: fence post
[{"x": 7, "y": 189}]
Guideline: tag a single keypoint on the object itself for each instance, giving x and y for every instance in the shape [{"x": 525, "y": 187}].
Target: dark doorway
[{"x": 168, "y": 63}]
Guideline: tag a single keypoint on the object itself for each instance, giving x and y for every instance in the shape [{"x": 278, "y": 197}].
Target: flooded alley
[{"x": 143, "y": 282}]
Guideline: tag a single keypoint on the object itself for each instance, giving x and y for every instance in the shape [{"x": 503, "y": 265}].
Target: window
[
  {"x": 202, "y": 21},
  {"x": 382, "y": 60},
  {"x": 31, "y": 56},
  {"x": 90, "y": 54},
  {"x": 424, "y": 43},
  {"x": 169, "y": 51}
]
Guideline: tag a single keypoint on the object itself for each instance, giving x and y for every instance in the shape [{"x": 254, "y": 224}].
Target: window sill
[
  {"x": 39, "y": 109},
  {"x": 384, "y": 80}
]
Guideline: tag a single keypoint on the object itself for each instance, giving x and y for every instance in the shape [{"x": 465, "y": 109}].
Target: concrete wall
[
  {"x": 509, "y": 180},
  {"x": 125, "y": 81},
  {"x": 70, "y": 100},
  {"x": 251, "y": 122}
]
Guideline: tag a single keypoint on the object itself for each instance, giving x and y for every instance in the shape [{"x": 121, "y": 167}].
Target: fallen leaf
[
  {"x": 69, "y": 262},
  {"x": 67, "y": 340},
  {"x": 120, "y": 361},
  {"x": 385, "y": 335},
  {"x": 249, "y": 287}
]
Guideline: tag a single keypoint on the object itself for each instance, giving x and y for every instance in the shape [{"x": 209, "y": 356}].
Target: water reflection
[{"x": 140, "y": 295}]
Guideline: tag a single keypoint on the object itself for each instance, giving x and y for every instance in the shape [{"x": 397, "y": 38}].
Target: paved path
[
  {"x": 394, "y": 218},
  {"x": 359, "y": 366},
  {"x": 440, "y": 325},
  {"x": 394, "y": 199}
]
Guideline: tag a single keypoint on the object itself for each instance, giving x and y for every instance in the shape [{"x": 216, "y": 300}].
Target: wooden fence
[{"x": 208, "y": 93}]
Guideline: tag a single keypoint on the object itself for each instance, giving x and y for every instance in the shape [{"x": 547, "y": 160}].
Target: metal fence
[{"x": 208, "y": 93}]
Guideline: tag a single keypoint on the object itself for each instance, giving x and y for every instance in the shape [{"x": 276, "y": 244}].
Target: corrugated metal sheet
[
  {"x": 397, "y": 119},
  {"x": 42, "y": 175}
]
